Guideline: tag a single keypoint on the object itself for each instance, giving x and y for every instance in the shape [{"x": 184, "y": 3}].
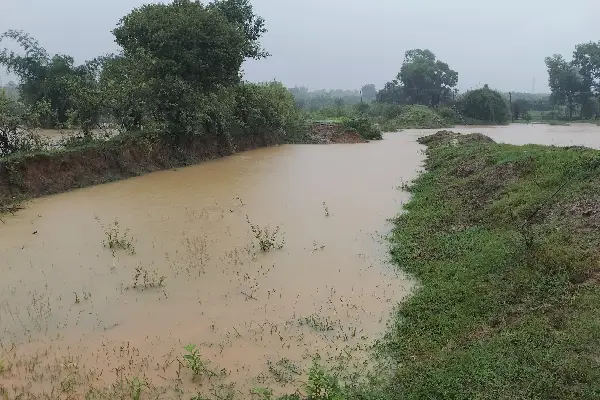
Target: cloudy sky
[{"x": 348, "y": 43}]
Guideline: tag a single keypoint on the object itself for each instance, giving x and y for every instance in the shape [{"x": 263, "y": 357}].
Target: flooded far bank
[{"x": 73, "y": 309}]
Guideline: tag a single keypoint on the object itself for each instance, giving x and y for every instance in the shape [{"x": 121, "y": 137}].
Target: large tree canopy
[
  {"x": 422, "y": 80},
  {"x": 565, "y": 82},
  {"x": 485, "y": 105},
  {"x": 44, "y": 78},
  {"x": 174, "y": 56},
  {"x": 204, "y": 46}
]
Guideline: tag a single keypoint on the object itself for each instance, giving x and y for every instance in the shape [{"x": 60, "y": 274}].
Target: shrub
[
  {"x": 364, "y": 128},
  {"x": 17, "y": 126},
  {"x": 485, "y": 105}
]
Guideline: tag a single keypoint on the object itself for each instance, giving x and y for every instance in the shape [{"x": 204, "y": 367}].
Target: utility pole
[{"x": 512, "y": 115}]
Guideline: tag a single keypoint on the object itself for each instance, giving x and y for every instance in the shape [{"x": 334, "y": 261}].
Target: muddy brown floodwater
[{"x": 77, "y": 318}]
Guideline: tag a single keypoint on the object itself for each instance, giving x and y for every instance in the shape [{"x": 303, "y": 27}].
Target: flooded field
[
  {"x": 186, "y": 268},
  {"x": 587, "y": 135},
  {"x": 102, "y": 288}
]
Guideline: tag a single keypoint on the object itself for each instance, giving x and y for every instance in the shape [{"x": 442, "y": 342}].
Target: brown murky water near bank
[{"x": 77, "y": 316}]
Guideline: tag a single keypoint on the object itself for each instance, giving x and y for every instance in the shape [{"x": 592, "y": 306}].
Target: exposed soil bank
[
  {"x": 504, "y": 240},
  {"x": 121, "y": 157}
]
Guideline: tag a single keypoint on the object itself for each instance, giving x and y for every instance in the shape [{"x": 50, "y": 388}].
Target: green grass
[
  {"x": 415, "y": 117},
  {"x": 506, "y": 308}
]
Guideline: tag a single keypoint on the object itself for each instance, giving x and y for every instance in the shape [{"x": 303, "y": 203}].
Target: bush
[
  {"x": 450, "y": 114},
  {"x": 416, "y": 117},
  {"x": 485, "y": 105},
  {"x": 17, "y": 124},
  {"x": 266, "y": 109},
  {"x": 364, "y": 128}
]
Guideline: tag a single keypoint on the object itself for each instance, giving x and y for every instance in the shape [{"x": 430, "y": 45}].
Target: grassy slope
[{"x": 507, "y": 309}]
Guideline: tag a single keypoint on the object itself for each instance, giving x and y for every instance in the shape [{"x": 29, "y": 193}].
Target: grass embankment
[
  {"x": 415, "y": 117},
  {"x": 505, "y": 243}
]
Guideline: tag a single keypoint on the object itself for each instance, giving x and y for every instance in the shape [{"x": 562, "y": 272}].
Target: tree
[
  {"x": 44, "y": 78},
  {"x": 426, "y": 80},
  {"x": 485, "y": 105},
  {"x": 392, "y": 93},
  {"x": 586, "y": 59},
  {"x": 422, "y": 80},
  {"x": 17, "y": 124},
  {"x": 565, "y": 82},
  {"x": 176, "y": 58},
  {"x": 369, "y": 92},
  {"x": 520, "y": 107}
]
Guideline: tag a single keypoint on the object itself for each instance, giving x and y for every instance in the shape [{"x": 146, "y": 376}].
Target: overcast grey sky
[{"x": 348, "y": 43}]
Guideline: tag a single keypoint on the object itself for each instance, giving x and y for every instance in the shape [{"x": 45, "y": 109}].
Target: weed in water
[
  {"x": 144, "y": 279},
  {"x": 318, "y": 323},
  {"x": 193, "y": 360},
  {"x": 136, "y": 387},
  {"x": 267, "y": 239},
  {"x": 263, "y": 393},
  {"x": 117, "y": 239},
  {"x": 317, "y": 246},
  {"x": 321, "y": 385},
  {"x": 284, "y": 371}
]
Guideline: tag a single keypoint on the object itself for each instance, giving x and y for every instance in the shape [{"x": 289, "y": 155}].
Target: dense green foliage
[
  {"x": 178, "y": 73},
  {"x": 17, "y": 122},
  {"x": 575, "y": 84},
  {"x": 363, "y": 127},
  {"x": 54, "y": 80},
  {"x": 392, "y": 117},
  {"x": 484, "y": 105},
  {"x": 422, "y": 80}
]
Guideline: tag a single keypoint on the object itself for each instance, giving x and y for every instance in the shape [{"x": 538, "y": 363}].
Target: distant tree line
[
  {"x": 575, "y": 84},
  {"x": 319, "y": 99}
]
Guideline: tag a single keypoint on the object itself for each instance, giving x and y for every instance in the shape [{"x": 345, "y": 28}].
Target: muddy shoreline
[
  {"x": 122, "y": 157},
  {"x": 35, "y": 175}
]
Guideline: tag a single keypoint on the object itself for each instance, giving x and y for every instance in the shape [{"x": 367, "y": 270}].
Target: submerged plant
[
  {"x": 193, "y": 360},
  {"x": 267, "y": 239},
  {"x": 136, "y": 387},
  {"x": 149, "y": 279},
  {"x": 322, "y": 385},
  {"x": 263, "y": 393},
  {"x": 117, "y": 239}
]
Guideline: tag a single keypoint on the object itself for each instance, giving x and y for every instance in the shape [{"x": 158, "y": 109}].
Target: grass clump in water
[
  {"x": 116, "y": 239},
  {"x": 268, "y": 239}
]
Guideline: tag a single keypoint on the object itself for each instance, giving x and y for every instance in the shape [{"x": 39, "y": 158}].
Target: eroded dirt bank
[{"x": 122, "y": 157}]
